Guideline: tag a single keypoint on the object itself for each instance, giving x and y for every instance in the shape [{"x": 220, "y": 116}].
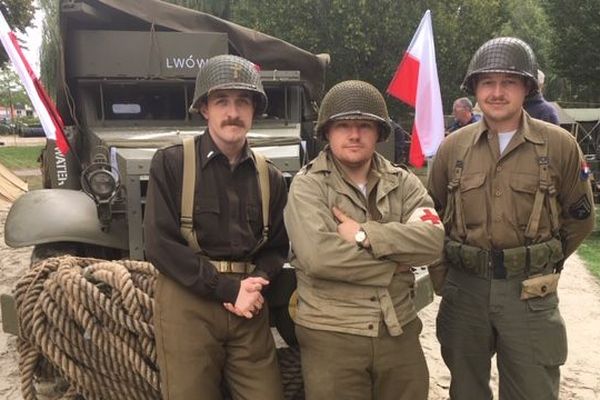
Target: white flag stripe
[
  {"x": 429, "y": 114},
  {"x": 19, "y": 65}
]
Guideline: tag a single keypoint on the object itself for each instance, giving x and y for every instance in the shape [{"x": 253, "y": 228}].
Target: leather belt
[{"x": 233, "y": 267}]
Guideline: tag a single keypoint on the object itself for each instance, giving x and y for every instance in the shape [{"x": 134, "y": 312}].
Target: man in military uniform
[
  {"x": 516, "y": 202},
  {"x": 357, "y": 224},
  {"x": 210, "y": 318}
]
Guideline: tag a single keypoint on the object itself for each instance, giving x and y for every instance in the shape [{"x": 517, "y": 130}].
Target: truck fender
[{"x": 60, "y": 215}]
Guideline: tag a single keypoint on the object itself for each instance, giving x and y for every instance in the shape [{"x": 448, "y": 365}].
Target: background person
[
  {"x": 538, "y": 107},
  {"x": 516, "y": 201},
  {"x": 357, "y": 223},
  {"x": 462, "y": 110},
  {"x": 211, "y": 322}
]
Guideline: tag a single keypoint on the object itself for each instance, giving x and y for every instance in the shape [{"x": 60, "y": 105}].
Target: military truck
[{"x": 126, "y": 77}]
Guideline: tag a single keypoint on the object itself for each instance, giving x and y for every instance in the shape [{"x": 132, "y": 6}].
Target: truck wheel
[{"x": 46, "y": 250}]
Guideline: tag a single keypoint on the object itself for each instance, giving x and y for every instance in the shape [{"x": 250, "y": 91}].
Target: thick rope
[
  {"x": 89, "y": 322},
  {"x": 92, "y": 321}
]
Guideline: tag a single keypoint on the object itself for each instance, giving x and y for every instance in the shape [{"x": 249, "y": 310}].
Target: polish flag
[
  {"x": 42, "y": 103},
  {"x": 416, "y": 83}
]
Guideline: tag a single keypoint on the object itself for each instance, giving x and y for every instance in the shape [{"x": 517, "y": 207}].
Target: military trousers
[
  {"x": 352, "y": 367},
  {"x": 202, "y": 347},
  {"x": 481, "y": 317}
]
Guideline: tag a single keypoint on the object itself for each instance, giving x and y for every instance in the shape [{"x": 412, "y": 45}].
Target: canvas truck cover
[{"x": 154, "y": 15}]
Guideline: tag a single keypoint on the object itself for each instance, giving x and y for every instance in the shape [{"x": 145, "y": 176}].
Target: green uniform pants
[
  {"x": 199, "y": 344},
  {"x": 351, "y": 367},
  {"x": 479, "y": 317}
]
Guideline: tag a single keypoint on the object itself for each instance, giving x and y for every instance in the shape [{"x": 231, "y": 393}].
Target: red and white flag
[
  {"x": 416, "y": 83},
  {"x": 42, "y": 103}
]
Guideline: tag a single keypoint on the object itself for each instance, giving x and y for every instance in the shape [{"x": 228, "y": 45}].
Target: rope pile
[
  {"x": 89, "y": 322},
  {"x": 92, "y": 321}
]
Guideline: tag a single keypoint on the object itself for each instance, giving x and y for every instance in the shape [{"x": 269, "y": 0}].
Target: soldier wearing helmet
[
  {"x": 203, "y": 224},
  {"x": 357, "y": 223},
  {"x": 516, "y": 201}
]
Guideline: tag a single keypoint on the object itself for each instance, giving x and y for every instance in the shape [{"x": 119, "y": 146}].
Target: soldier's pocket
[
  {"x": 473, "y": 197},
  {"x": 447, "y": 314},
  {"x": 524, "y": 187},
  {"x": 547, "y": 331}
]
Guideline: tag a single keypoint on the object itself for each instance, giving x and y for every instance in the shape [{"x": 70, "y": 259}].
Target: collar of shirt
[
  {"x": 209, "y": 151},
  {"x": 523, "y": 133}
]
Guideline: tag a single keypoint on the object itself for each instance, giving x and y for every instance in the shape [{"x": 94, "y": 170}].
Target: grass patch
[
  {"x": 24, "y": 157},
  {"x": 590, "y": 248}
]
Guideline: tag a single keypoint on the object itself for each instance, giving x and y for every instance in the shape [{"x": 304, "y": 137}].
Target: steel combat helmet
[
  {"x": 229, "y": 72},
  {"x": 353, "y": 100},
  {"x": 504, "y": 55}
]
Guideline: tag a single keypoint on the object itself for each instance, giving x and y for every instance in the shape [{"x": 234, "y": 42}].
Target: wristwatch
[{"x": 360, "y": 237}]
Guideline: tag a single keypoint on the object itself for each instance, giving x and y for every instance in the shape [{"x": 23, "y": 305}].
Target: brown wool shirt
[{"x": 227, "y": 219}]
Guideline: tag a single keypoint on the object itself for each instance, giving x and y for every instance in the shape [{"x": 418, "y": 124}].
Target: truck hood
[{"x": 280, "y": 144}]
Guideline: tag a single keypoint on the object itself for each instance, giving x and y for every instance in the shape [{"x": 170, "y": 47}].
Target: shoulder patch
[
  {"x": 581, "y": 209},
  {"x": 584, "y": 171}
]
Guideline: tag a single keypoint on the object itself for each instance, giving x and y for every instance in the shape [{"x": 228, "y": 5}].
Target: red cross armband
[{"x": 426, "y": 215}]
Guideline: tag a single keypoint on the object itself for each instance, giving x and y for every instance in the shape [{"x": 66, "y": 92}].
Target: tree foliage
[
  {"x": 12, "y": 91},
  {"x": 19, "y": 15},
  {"x": 575, "y": 50},
  {"x": 51, "y": 47}
]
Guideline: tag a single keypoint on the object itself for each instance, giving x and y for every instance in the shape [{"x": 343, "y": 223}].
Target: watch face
[{"x": 360, "y": 236}]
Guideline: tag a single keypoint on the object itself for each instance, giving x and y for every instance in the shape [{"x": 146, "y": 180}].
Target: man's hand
[
  {"x": 347, "y": 227},
  {"x": 249, "y": 299}
]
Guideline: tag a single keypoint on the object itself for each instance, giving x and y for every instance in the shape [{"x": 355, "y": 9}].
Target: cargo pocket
[
  {"x": 547, "y": 331},
  {"x": 447, "y": 314},
  {"x": 207, "y": 213},
  {"x": 254, "y": 218},
  {"x": 472, "y": 193},
  {"x": 524, "y": 187}
]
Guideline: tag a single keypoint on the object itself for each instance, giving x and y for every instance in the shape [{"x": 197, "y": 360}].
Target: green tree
[
  {"x": 366, "y": 39},
  {"x": 50, "y": 49},
  {"x": 19, "y": 15},
  {"x": 219, "y": 8},
  {"x": 575, "y": 50},
  {"x": 11, "y": 89}
]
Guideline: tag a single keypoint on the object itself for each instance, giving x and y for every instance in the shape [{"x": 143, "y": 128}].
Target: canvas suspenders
[
  {"x": 546, "y": 191},
  {"x": 187, "y": 195}
]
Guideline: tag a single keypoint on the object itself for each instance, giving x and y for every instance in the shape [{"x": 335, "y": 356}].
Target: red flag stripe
[
  {"x": 404, "y": 84},
  {"x": 415, "y": 155}
]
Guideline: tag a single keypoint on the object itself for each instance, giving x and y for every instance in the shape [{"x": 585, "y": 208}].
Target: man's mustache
[{"x": 234, "y": 122}]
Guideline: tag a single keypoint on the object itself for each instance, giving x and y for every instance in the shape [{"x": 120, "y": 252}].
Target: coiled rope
[{"x": 91, "y": 321}]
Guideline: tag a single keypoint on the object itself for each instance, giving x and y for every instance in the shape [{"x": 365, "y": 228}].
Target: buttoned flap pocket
[
  {"x": 523, "y": 188},
  {"x": 207, "y": 212},
  {"x": 539, "y": 286},
  {"x": 254, "y": 217},
  {"x": 253, "y": 212},
  {"x": 208, "y": 205},
  {"x": 473, "y": 197},
  {"x": 524, "y": 183},
  {"x": 471, "y": 181}
]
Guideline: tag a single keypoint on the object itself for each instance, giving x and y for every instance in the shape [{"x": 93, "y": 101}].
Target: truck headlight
[{"x": 103, "y": 183}]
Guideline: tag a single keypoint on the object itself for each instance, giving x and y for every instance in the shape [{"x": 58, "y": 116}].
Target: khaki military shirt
[
  {"x": 342, "y": 287},
  {"x": 497, "y": 191}
]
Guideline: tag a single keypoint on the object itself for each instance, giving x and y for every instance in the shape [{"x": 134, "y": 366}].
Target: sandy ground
[{"x": 580, "y": 306}]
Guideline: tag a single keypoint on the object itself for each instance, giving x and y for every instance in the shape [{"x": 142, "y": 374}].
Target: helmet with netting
[
  {"x": 229, "y": 72},
  {"x": 353, "y": 100},
  {"x": 502, "y": 55}
]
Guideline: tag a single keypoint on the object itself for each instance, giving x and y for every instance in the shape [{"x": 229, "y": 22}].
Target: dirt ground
[{"x": 580, "y": 306}]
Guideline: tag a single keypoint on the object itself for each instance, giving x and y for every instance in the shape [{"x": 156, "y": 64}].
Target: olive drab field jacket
[
  {"x": 489, "y": 200},
  {"x": 345, "y": 288}
]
